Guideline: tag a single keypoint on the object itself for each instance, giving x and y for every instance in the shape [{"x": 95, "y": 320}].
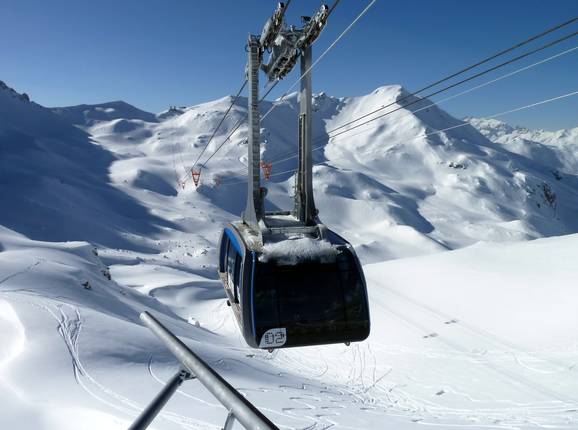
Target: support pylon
[
  {"x": 267, "y": 167},
  {"x": 196, "y": 174}
]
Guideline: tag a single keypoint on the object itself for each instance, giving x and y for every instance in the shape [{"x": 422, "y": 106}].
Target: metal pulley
[
  {"x": 314, "y": 26},
  {"x": 288, "y": 43},
  {"x": 272, "y": 27},
  {"x": 284, "y": 54}
]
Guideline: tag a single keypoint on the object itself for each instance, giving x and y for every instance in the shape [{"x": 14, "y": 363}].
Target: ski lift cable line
[
  {"x": 343, "y": 33},
  {"x": 176, "y": 151},
  {"x": 174, "y": 156},
  {"x": 278, "y": 101},
  {"x": 236, "y": 127},
  {"x": 189, "y": 172},
  {"x": 498, "y": 54},
  {"x": 479, "y": 63},
  {"x": 454, "y": 96},
  {"x": 464, "y": 124},
  {"x": 221, "y": 121},
  {"x": 177, "y": 144},
  {"x": 278, "y": 80},
  {"x": 229, "y": 109},
  {"x": 494, "y": 56},
  {"x": 323, "y": 54},
  {"x": 239, "y": 123},
  {"x": 433, "y": 133},
  {"x": 524, "y": 55},
  {"x": 455, "y": 84},
  {"x": 333, "y": 7}
]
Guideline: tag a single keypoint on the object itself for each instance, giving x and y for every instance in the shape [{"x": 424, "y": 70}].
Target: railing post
[
  {"x": 230, "y": 421},
  {"x": 240, "y": 409},
  {"x": 149, "y": 414}
]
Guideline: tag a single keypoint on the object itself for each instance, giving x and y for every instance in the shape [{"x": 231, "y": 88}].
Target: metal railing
[{"x": 194, "y": 367}]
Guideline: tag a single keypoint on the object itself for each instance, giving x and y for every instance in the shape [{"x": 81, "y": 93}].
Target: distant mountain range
[{"x": 394, "y": 187}]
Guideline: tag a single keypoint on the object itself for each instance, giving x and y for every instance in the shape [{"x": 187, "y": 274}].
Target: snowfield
[{"x": 468, "y": 238}]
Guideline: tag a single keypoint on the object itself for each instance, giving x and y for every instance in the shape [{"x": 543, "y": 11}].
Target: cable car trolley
[{"x": 289, "y": 279}]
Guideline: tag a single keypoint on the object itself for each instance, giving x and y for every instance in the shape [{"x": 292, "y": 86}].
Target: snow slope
[
  {"x": 414, "y": 190},
  {"x": 558, "y": 149},
  {"x": 54, "y": 180},
  {"x": 482, "y": 336}
]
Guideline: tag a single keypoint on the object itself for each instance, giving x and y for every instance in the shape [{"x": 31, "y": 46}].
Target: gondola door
[{"x": 234, "y": 262}]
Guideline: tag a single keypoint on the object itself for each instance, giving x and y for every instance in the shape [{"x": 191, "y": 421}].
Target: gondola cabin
[
  {"x": 289, "y": 279},
  {"x": 294, "y": 290}
]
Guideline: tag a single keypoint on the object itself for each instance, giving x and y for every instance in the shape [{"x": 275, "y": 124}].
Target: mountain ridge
[
  {"x": 425, "y": 180},
  {"x": 100, "y": 221}
]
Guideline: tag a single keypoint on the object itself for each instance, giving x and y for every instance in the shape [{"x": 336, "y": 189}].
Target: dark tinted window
[
  {"x": 354, "y": 294},
  {"x": 311, "y": 294},
  {"x": 231, "y": 256},
  {"x": 266, "y": 303},
  {"x": 237, "y": 276},
  {"x": 223, "y": 252}
]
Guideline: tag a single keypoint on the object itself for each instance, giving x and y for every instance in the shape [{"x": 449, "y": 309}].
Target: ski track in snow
[
  {"x": 69, "y": 325},
  {"x": 512, "y": 349},
  {"x": 520, "y": 414},
  {"x": 69, "y": 329},
  {"x": 180, "y": 391},
  {"x": 318, "y": 401},
  {"x": 20, "y": 272},
  {"x": 463, "y": 189}
]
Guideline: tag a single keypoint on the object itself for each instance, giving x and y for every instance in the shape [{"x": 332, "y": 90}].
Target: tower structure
[{"x": 286, "y": 45}]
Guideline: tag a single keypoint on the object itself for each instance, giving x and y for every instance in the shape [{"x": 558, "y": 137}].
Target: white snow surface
[
  {"x": 474, "y": 325},
  {"x": 558, "y": 149},
  {"x": 292, "y": 250}
]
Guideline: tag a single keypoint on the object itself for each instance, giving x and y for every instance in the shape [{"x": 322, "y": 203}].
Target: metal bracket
[
  {"x": 305, "y": 209},
  {"x": 230, "y": 421},
  {"x": 255, "y": 195},
  {"x": 152, "y": 410},
  {"x": 185, "y": 375}
]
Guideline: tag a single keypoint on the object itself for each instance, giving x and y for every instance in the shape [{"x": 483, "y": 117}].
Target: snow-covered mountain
[
  {"x": 95, "y": 228},
  {"x": 558, "y": 149},
  {"x": 413, "y": 190},
  {"x": 503, "y": 132},
  {"x": 54, "y": 180}
]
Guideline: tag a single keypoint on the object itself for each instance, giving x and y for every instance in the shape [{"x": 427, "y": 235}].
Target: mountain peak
[
  {"x": 395, "y": 88},
  {"x": 493, "y": 128},
  {"x": 13, "y": 93}
]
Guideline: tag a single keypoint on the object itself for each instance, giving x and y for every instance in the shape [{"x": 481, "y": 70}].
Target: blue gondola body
[
  {"x": 309, "y": 303},
  {"x": 289, "y": 279}
]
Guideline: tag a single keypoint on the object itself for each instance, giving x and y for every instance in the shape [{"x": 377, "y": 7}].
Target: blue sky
[{"x": 154, "y": 53}]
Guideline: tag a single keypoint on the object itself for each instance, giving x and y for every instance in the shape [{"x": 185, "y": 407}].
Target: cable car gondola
[
  {"x": 289, "y": 279},
  {"x": 284, "y": 299}
]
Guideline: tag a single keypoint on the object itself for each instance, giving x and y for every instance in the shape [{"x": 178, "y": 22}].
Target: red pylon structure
[
  {"x": 196, "y": 174},
  {"x": 267, "y": 167}
]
